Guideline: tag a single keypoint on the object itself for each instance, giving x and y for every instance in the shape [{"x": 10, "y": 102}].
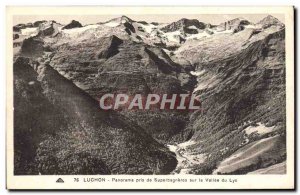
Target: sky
[{"x": 92, "y": 19}]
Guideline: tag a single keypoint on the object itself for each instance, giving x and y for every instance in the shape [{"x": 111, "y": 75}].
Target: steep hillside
[
  {"x": 247, "y": 89},
  {"x": 34, "y": 117},
  {"x": 69, "y": 134},
  {"x": 113, "y": 65}
]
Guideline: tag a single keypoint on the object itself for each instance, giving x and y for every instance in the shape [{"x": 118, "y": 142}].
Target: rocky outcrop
[
  {"x": 32, "y": 47},
  {"x": 184, "y": 24},
  {"x": 72, "y": 24},
  {"x": 110, "y": 47},
  {"x": 236, "y": 25},
  {"x": 46, "y": 30},
  {"x": 129, "y": 28},
  {"x": 49, "y": 28}
]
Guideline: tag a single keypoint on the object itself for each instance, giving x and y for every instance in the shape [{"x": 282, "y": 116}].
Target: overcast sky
[{"x": 91, "y": 19}]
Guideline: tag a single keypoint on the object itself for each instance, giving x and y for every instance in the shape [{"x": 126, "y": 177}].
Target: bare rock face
[
  {"x": 129, "y": 28},
  {"x": 32, "y": 46},
  {"x": 236, "y": 25},
  {"x": 72, "y": 24},
  {"x": 110, "y": 47},
  {"x": 49, "y": 28},
  {"x": 46, "y": 30},
  {"x": 184, "y": 25}
]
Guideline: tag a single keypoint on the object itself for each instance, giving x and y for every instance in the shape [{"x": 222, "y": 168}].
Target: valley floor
[
  {"x": 186, "y": 160},
  {"x": 247, "y": 155}
]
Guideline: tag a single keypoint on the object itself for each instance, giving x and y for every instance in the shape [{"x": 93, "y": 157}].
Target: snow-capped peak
[{"x": 118, "y": 21}]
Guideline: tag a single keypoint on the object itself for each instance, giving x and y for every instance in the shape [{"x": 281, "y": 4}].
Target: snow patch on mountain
[
  {"x": 260, "y": 129},
  {"x": 207, "y": 83},
  {"x": 29, "y": 31},
  {"x": 173, "y": 36},
  {"x": 197, "y": 73},
  {"x": 80, "y": 30},
  {"x": 112, "y": 24},
  {"x": 192, "y": 27},
  {"x": 199, "y": 35},
  {"x": 148, "y": 27},
  {"x": 250, "y": 26}
]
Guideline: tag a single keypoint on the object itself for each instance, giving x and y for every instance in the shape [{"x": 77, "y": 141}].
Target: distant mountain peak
[
  {"x": 236, "y": 24},
  {"x": 270, "y": 20},
  {"x": 237, "y": 21},
  {"x": 73, "y": 24},
  {"x": 239, "y": 18},
  {"x": 271, "y": 17},
  {"x": 122, "y": 19},
  {"x": 118, "y": 21},
  {"x": 188, "y": 21},
  {"x": 182, "y": 24}
]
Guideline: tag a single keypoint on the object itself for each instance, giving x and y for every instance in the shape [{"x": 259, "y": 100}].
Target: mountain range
[{"x": 236, "y": 68}]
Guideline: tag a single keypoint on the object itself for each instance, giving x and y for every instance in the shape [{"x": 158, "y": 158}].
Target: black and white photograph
[{"x": 182, "y": 94}]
